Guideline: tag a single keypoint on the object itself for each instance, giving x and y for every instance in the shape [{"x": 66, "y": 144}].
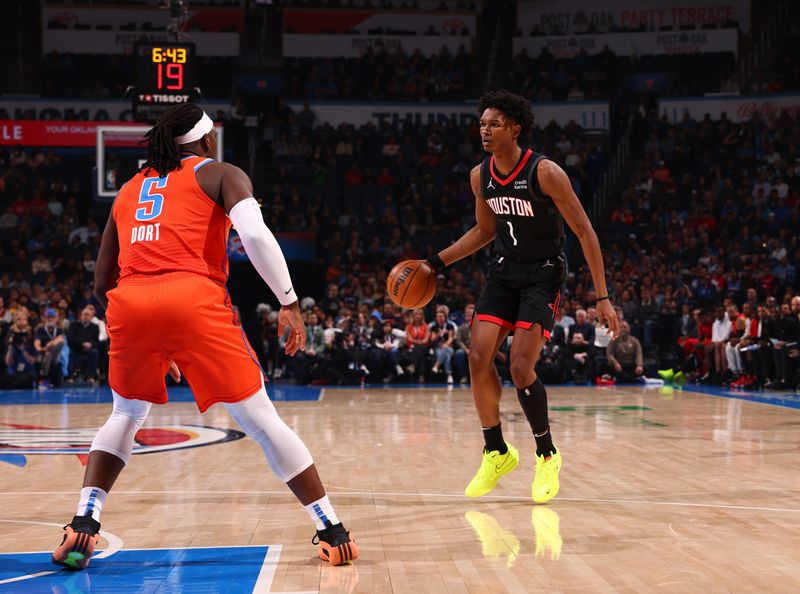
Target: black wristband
[
  {"x": 436, "y": 262},
  {"x": 599, "y": 299}
]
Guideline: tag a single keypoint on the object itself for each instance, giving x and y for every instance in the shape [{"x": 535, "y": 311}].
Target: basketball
[{"x": 411, "y": 284}]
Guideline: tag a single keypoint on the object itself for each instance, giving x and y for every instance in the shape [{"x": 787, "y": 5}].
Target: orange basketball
[{"x": 411, "y": 284}]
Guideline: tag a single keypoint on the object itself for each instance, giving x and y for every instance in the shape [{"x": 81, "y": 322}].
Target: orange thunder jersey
[{"x": 168, "y": 224}]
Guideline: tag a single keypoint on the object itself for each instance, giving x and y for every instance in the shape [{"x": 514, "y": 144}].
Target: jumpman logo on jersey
[
  {"x": 554, "y": 306},
  {"x": 490, "y": 186}
]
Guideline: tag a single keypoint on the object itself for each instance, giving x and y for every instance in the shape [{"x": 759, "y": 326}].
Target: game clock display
[{"x": 165, "y": 76}]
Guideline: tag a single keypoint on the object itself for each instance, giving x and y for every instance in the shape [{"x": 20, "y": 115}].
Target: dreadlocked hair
[
  {"x": 162, "y": 151},
  {"x": 515, "y": 107}
]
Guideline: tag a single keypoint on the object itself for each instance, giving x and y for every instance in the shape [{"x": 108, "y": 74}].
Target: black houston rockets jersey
[{"x": 529, "y": 225}]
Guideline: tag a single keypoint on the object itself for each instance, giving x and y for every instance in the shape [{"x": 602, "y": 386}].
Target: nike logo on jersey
[
  {"x": 490, "y": 186},
  {"x": 505, "y": 205},
  {"x": 287, "y": 291}
]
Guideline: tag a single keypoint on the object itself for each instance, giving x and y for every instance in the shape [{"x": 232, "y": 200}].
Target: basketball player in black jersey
[{"x": 521, "y": 201}]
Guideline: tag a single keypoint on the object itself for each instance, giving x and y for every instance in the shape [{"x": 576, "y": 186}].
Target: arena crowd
[{"x": 701, "y": 256}]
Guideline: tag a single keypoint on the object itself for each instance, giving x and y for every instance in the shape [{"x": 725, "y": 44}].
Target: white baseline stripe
[
  {"x": 214, "y": 547},
  {"x": 267, "y": 574},
  {"x": 29, "y": 576}
]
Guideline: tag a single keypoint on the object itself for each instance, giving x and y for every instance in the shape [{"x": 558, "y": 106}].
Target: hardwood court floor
[{"x": 660, "y": 491}]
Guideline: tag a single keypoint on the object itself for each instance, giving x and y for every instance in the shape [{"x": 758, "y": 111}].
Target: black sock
[
  {"x": 493, "y": 438},
  {"x": 534, "y": 403}
]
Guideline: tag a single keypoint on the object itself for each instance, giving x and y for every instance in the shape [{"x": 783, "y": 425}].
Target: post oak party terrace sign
[{"x": 569, "y": 17}]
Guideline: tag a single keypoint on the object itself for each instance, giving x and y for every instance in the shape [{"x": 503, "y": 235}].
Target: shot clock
[{"x": 165, "y": 76}]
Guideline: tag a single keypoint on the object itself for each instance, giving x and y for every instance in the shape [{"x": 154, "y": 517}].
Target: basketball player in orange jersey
[
  {"x": 521, "y": 199},
  {"x": 161, "y": 275}
]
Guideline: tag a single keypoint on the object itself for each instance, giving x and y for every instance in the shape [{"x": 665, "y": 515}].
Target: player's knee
[
  {"x": 286, "y": 453},
  {"x": 480, "y": 362},
  {"x": 117, "y": 436},
  {"x": 133, "y": 411},
  {"x": 522, "y": 373}
]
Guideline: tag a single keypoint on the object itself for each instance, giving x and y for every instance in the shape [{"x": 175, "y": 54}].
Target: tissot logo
[
  {"x": 26, "y": 440},
  {"x": 160, "y": 98}
]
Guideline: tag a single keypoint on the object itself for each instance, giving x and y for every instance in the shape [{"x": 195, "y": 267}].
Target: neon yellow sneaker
[
  {"x": 545, "y": 483},
  {"x": 666, "y": 374},
  {"x": 496, "y": 541},
  {"x": 546, "y": 524},
  {"x": 493, "y": 466}
]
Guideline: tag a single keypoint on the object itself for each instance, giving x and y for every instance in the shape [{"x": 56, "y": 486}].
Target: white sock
[
  {"x": 91, "y": 503},
  {"x": 321, "y": 511}
]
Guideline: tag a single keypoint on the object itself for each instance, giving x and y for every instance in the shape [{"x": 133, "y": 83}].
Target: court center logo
[{"x": 18, "y": 441}]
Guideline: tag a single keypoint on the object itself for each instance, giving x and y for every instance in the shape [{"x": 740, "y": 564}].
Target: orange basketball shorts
[{"x": 181, "y": 317}]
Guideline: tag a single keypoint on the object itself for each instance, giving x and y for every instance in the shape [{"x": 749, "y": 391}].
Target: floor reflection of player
[
  {"x": 167, "y": 306},
  {"x": 497, "y": 541},
  {"x": 547, "y": 525}
]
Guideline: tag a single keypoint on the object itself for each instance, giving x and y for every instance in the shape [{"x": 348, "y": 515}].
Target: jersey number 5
[{"x": 152, "y": 202}]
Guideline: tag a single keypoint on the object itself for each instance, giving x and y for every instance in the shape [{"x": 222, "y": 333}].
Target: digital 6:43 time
[
  {"x": 169, "y": 63},
  {"x": 176, "y": 55}
]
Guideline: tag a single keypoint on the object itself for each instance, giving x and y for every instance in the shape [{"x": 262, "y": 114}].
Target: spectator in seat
[
  {"x": 418, "y": 336},
  {"x": 625, "y": 357},
  {"x": 686, "y": 329},
  {"x": 715, "y": 350},
  {"x": 785, "y": 336},
  {"x": 563, "y": 319},
  {"x": 551, "y": 366},
  {"x": 330, "y": 304},
  {"x": 463, "y": 343},
  {"x": 629, "y": 307},
  {"x": 648, "y": 314},
  {"x": 315, "y": 339},
  {"x": 48, "y": 341},
  {"x": 602, "y": 336},
  {"x": 580, "y": 342},
  {"x": 84, "y": 342},
  {"x": 385, "y": 356},
  {"x": 344, "y": 365},
  {"x": 5, "y": 313},
  {"x": 737, "y": 340},
  {"x": 391, "y": 148},
  {"x": 442, "y": 332},
  {"x": 20, "y": 356},
  {"x": 315, "y": 346},
  {"x": 102, "y": 337}
]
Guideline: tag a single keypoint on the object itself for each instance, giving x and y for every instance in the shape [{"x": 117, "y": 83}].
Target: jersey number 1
[
  {"x": 511, "y": 231},
  {"x": 152, "y": 202}
]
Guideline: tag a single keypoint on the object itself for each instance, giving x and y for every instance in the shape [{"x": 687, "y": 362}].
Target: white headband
[{"x": 201, "y": 128}]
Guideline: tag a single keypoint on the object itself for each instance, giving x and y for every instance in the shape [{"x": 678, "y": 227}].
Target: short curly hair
[{"x": 514, "y": 106}]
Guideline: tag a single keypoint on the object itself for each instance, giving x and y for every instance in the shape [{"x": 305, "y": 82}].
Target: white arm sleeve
[{"x": 262, "y": 248}]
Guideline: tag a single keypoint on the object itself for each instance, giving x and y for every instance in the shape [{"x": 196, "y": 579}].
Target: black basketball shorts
[{"x": 519, "y": 294}]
